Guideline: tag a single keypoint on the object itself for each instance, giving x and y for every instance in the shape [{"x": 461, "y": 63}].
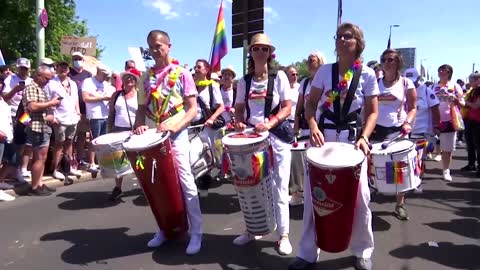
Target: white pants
[
  {"x": 208, "y": 135},
  {"x": 282, "y": 157},
  {"x": 181, "y": 154},
  {"x": 361, "y": 243}
]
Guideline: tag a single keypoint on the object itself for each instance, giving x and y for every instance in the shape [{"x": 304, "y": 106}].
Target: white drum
[
  {"x": 201, "y": 156},
  {"x": 395, "y": 168},
  {"x": 251, "y": 160},
  {"x": 112, "y": 159}
]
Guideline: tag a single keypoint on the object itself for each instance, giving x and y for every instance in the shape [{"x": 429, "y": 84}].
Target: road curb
[{"x": 22, "y": 189}]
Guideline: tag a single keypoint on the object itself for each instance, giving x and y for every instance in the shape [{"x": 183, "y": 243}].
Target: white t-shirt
[
  {"x": 121, "y": 114},
  {"x": 293, "y": 92},
  {"x": 10, "y": 83},
  {"x": 205, "y": 96},
  {"x": 227, "y": 97},
  {"x": 367, "y": 86},
  {"x": 6, "y": 120},
  {"x": 426, "y": 99},
  {"x": 99, "y": 109},
  {"x": 257, "y": 94},
  {"x": 65, "y": 112},
  {"x": 392, "y": 102},
  {"x": 446, "y": 93}
]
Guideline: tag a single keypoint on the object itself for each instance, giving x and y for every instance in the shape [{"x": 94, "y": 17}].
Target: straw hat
[
  {"x": 230, "y": 68},
  {"x": 261, "y": 39}
]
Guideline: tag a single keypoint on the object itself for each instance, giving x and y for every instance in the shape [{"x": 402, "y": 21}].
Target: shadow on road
[
  {"x": 92, "y": 200},
  {"x": 464, "y": 227},
  {"x": 447, "y": 254},
  {"x": 217, "y": 203},
  {"x": 469, "y": 185},
  {"x": 96, "y": 246},
  {"x": 378, "y": 223}
]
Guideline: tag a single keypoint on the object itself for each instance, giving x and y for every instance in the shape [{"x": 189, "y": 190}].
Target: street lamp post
[
  {"x": 390, "y": 35},
  {"x": 422, "y": 74}
]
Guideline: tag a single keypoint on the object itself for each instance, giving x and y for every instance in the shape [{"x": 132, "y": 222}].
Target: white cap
[
  {"x": 23, "y": 62},
  {"x": 105, "y": 69},
  {"x": 411, "y": 73},
  {"x": 46, "y": 61},
  {"x": 77, "y": 54}
]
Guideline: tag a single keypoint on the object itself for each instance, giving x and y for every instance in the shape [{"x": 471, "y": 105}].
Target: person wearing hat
[
  {"x": 177, "y": 115},
  {"x": 12, "y": 94},
  {"x": 228, "y": 92},
  {"x": 326, "y": 125},
  {"x": 96, "y": 92},
  {"x": 253, "y": 89},
  {"x": 122, "y": 111},
  {"x": 78, "y": 74},
  {"x": 49, "y": 63},
  {"x": 66, "y": 115},
  {"x": 376, "y": 67}
]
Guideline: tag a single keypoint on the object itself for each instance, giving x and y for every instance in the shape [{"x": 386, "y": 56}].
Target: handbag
[
  {"x": 457, "y": 121},
  {"x": 207, "y": 112}
]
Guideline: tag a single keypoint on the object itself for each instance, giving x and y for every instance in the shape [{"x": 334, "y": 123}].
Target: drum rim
[
  {"x": 146, "y": 147},
  {"x": 94, "y": 141},
  {"x": 413, "y": 146},
  {"x": 324, "y": 166},
  {"x": 264, "y": 136}
]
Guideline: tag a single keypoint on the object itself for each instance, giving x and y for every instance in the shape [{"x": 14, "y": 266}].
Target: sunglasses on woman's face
[
  {"x": 444, "y": 70},
  {"x": 264, "y": 49},
  {"x": 344, "y": 37},
  {"x": 387, "y": 60},
  {"x": 294, "y": 74}
]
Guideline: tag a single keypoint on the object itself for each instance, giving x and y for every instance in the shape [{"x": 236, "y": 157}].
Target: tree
[
  {"x": 18, "y": 29},
  {"x": 302, "y": 68}
]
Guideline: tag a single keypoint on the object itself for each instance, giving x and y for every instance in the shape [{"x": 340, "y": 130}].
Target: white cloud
[
  {"x": 165, "y": 8},
  {"x": 270, "y": 14}
]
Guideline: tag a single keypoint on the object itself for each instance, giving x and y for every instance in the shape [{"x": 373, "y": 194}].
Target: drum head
[
  {"x": 145, "y": 141},
  {"x": 111, "y": 138},
  {"x": 394, "y": 147},
  {"x": 247, "y": 137},
  {"x": 335, "y": 155}
]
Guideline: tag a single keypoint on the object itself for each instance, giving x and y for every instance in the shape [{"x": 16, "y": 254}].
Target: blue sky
[{"x": 438, "y": 29}]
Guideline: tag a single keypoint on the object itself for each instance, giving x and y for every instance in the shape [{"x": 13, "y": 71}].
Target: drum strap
[
  {"x": 340, "y": 115},
  {"x": 268, "y": 98}
]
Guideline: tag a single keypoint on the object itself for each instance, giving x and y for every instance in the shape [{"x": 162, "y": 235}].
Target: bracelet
[{"x": 364, "y": 138}]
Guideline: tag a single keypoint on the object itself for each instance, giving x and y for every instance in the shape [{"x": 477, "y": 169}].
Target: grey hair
[{"x": 43, "y": 69}]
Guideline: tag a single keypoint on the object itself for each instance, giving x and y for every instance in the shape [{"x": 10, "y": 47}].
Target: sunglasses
[
  {"x": 444, "y": 70},
  {"x": 264, "y": 49},
  {"x": 387, "y": 60},
  {"x": 294, "y": 74},
  {"x": 344, "y": 37}
]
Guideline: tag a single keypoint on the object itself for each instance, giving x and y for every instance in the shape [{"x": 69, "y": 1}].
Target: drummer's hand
[
  {"x": 262, "y": 127},
  {"x": 240, "y": 126},
  {"x": 406, "y": 128},
  {"x": 141, "y": 129},
  {"x": 209, "y": 123},
  {"x": 362, "y": 145},
  {"x": 167, "y": 127},
  {"x": 316, "y": 137}
]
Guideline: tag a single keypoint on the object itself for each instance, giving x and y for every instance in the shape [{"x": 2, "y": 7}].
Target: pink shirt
[{"x": 446, "y": 94}]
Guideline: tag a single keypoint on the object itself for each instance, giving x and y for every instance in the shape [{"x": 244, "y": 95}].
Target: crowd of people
[{"x": 62, "y": 105}]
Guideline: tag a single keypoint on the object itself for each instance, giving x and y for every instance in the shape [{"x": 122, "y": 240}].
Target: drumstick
[
  {"x": 386, "y": 144},
  {"x": 197, "y": 126}
]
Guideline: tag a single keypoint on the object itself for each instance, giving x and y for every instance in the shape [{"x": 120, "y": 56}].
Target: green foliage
[
  {"x": 18, "y": 28},
  {"x": 302, "y": 68}
]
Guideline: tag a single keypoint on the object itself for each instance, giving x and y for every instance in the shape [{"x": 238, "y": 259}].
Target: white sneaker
[
  {"x": 157, "y": 240},
  {"x": 438, "y": 158},
  {"x": 26, "y": 173},
  {"x": 446, "y": 176},
  {"x": 245, "y": 238},
  {"x": 75, "y": 172},
  {"x": 6, "y": 197},
  {"x": 284, "y": 246},
  {"x": 194, "y": 245},
  {"x": 20, "y": 178},
  {"x": 58, "y": 175},
  {"x": 429, "y": 156}
]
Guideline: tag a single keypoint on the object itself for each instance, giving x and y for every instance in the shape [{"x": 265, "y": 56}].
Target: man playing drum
[{"x": 164, "y": 74}]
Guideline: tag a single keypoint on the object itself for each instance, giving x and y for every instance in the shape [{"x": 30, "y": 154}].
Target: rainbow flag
[
  {"x": 25, "y": 119},
  {"x": 394, "y": 171},
  {"x": 260, "y": 165},
  {"x": 219, "y": 45}
]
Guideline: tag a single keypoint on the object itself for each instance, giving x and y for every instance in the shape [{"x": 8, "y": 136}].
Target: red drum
[
  {"x": 151, "y": 157},
  {"x": 334, "y": 171}
]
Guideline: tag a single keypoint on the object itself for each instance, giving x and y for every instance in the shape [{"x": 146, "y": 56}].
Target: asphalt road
[{"x": 76, "y": 228}]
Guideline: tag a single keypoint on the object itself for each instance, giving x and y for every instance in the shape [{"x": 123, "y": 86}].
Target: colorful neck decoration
[
  {"x": 342, "y": 85},
  {"x": 203, "y": 83}
]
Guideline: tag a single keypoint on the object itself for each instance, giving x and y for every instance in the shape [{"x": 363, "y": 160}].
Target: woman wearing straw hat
[{"x": 259, "y": 65}]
